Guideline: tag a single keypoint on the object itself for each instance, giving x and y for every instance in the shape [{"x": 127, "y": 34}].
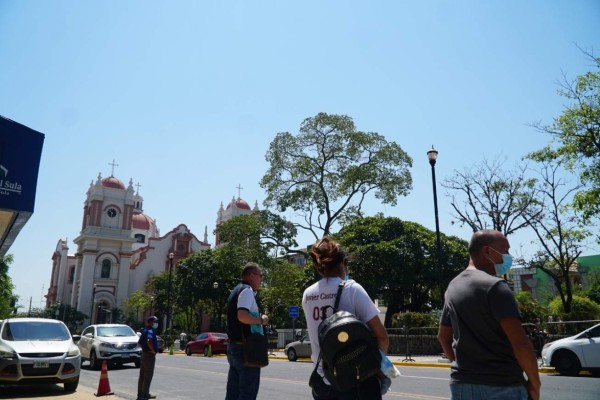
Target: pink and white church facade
[{"x": 119, "y": 248}]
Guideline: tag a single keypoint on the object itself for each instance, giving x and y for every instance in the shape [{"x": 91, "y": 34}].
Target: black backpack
[{"x": 348, "y": 348}]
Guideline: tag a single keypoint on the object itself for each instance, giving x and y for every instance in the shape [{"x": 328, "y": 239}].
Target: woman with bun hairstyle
[{"x": 331, "y": 262}]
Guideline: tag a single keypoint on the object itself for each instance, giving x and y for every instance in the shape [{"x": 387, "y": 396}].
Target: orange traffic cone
[{"x": 103, "y": 384}]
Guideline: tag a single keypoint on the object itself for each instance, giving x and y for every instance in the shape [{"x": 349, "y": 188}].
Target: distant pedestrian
[
  {"x": 149, "y": 345},
  {"x": 182, "y": 340},
  {"x": 243, "y": 316},
  {"x": 480, "y": 328}
]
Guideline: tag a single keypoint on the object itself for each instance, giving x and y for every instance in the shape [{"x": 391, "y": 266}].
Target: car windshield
[
  {"x": 19, "y": 331},
  {"x": 111, "y": 331}
]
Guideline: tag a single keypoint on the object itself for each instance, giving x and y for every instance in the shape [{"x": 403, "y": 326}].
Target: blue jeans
[
  {"x": 242, "y": 382},
  {"x": 469, "y": 391}
]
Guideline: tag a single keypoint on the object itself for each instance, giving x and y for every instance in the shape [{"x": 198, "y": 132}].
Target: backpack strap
[
  {"x": 336, "y": 305},
  {"x": 338, "y": 296}
]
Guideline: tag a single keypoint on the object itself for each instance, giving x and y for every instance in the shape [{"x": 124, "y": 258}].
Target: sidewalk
[{"x": 85, "y": 393}]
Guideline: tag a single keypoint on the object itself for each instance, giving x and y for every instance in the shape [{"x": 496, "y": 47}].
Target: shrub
[
  {"x": 413, "y": 320},
  {"x": 582, "y": 309}
]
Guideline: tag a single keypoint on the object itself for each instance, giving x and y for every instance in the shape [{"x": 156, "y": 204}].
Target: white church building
[{"x": 119, "y": 249}]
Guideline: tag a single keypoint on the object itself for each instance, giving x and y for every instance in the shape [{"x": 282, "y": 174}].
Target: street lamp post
[
  {"x": 432, "y": 155},
  {"x": 92, "y": 308},
  {"x": 171, "y": 255},
  {"x": 217, "y": 317}
]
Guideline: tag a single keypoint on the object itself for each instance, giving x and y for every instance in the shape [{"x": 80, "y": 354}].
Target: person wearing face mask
[
  {"x": 149, "y": 344},
  {"x": 480, "y": 328}
]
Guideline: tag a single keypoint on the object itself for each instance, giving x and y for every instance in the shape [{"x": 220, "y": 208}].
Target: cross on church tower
[
  {"x": 112, "y": 172},
  {"x": 138, "y": 188},
  {"x": 239, "y": 188}
]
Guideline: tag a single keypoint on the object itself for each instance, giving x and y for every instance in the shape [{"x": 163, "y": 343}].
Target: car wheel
[
  {"x": 188, "y": 351},
  {"x": 71, "y": 386},
  {"x": 566, "y": 363},
  {"x": 94, "y": 362},
  {"x": 291, "y": 353},
  {"x": 137, "y": 363},
  {"x": 205, "y": 351}
]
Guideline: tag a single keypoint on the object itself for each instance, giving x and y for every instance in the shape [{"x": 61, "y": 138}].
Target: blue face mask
[
  {"x": 347, "y": 277},
  {"x": 155, "y": 325},
  {"x": 502, "y": 269}
]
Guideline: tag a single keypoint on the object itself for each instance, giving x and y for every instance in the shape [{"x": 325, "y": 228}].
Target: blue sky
[{"x": 187, "y": 95}]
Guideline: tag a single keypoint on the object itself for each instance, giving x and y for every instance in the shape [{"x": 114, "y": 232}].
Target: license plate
[{"x": 41, "y": 364}]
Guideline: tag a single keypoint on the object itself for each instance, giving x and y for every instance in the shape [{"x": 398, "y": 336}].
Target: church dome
[
  {"x": 239, "y": 203},
  {"x": 141, "y": 221},
  {"x": 112, "y": 182}
]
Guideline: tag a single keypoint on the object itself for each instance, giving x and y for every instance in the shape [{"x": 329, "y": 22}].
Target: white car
[
  {"x": 573, "y": 354},
  {"x": 115, "y": 343},
  {"x": 38, "y": 350}
]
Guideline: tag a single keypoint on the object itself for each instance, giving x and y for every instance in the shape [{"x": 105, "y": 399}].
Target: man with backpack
[{"x": 329, "y": 379}]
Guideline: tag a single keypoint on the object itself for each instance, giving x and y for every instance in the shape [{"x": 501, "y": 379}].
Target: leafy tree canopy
[
  {"x": 576, "y": 134},
  {"x": 325, "y": 172},
  {"x": 260, "y": 232},
  {"x": 395, "y": 261}
]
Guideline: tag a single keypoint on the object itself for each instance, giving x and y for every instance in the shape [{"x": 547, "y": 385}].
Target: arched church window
[
  {"x": 105, "y": 272},
  {"x": 139, "y": 238},
  {"x": 71, "y": 274}
]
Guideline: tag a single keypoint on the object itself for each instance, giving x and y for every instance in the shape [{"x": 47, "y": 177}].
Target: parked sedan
[
  {"x": 217, "y": 341},
  {"x": 115, "y": 343},
  {"x": 573, "y": 354},
  {"x": 161, "y": 344},
  {"x": 298, "y": 349},
  {"x": 38, "y": 350}
]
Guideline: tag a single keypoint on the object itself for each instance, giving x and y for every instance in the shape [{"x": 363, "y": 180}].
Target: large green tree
[
  {"x": 202, "y": 284},
  {"x": 576, "y": 135},
  {"x": 325, "y": 172},
  {"x": 284, "y": 287},
  {"x": 395, "y": 261}
]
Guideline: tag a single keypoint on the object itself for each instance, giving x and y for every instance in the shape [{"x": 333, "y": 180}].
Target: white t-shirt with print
[{"x": 354, "y": 300}]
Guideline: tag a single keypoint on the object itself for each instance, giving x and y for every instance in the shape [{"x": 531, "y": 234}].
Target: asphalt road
[{"x": 181, "y": 377}]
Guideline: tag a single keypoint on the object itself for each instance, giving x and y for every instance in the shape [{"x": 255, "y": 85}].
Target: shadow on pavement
[{"x": 32, "y": 391}]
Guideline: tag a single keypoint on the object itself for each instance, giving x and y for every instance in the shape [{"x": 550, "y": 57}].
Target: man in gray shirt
[{"x": 480, "y": 329}]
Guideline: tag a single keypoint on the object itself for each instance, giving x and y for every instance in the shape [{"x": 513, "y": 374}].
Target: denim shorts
[{"x": 469, "y": 391}]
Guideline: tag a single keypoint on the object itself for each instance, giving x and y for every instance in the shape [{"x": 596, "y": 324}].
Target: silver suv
[{"x": 115, "y": 343}]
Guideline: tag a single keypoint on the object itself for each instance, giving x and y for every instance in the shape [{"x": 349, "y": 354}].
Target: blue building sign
[{"x": 20, "y": 153}]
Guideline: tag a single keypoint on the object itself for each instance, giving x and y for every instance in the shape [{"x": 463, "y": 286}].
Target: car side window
[
  {"x": 87, "y": 330},
  {"x": 203, "y": 336},
  {"x": 595, "y": 332}
]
